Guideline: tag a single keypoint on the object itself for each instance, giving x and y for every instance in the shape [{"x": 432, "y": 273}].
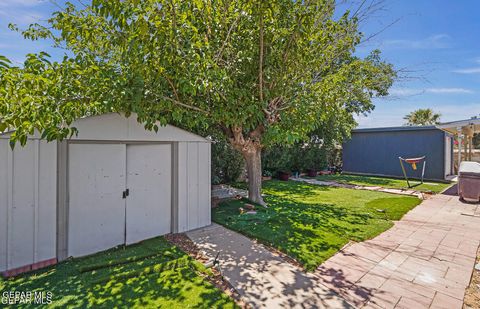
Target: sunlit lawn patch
[
  {"x": 310, "y": 222},
  {"x": 392, "y": 183},
  {"x": 158, "y": 275}
]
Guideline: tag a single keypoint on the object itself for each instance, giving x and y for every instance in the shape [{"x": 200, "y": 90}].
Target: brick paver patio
[{"x": 424, "y": 261}]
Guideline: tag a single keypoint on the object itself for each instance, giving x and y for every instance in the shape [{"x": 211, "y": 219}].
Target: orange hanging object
[{"x": 413, "y": 162}]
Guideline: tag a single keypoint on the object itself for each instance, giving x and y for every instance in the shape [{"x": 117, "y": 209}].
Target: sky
[{"x": 435, "y": 44}]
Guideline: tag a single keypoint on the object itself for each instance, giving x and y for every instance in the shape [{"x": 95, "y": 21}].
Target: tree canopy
[
  {"x": 422, "y": 117},
  {"x": 264, "y": 72}
]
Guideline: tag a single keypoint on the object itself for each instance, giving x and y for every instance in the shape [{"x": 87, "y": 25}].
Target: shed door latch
[{"x": 125, "y": 193}]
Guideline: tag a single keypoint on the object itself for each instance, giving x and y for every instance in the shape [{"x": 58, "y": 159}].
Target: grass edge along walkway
[{"x": 310, "y": 223}]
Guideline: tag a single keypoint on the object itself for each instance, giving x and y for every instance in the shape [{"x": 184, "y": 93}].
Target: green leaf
[{"x": 4, "y": 62}]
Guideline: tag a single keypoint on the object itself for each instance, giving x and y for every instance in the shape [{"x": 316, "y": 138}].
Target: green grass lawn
[
  {"x": 310, "y": 222},
  {"x": 152, "y": 274},
  {"x": 360, "y": 180}
]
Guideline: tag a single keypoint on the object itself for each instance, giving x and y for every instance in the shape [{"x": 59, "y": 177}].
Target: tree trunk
[{"x": 253, "y": 158}]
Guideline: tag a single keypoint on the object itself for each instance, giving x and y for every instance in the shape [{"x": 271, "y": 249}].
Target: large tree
[
  {"x": 264, "y": 72},
  {"x": 422, "y": 117}
]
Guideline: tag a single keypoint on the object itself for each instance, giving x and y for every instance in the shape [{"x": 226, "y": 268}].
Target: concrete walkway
[
  {"x": 263, "y": 279},
  {"x": 424, "y": 261},
  {"x": 358, "y": 187}
]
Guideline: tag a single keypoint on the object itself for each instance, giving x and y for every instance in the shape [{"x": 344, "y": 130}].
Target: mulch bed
[
  {"x": 472, "y": 294},
  {"x": 182, "y": 241}
]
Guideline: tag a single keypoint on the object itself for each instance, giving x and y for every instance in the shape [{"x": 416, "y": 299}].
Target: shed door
[
  {"x": 96, "y": 180},
  {"x": 149, "y": 184}
]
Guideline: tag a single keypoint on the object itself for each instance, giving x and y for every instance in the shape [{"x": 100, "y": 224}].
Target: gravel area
[{"x": 472, "y": 294}]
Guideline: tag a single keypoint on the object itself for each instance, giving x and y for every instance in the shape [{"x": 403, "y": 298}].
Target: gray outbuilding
[
  {"x": 376, "y": 151},
  {"x": 113, "y": 184}
]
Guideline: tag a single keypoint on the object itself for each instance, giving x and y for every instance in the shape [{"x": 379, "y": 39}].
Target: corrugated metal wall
[
  {"x": 194, "y": 190},
  {"x": 377, "y": 152},
  {"x": 27, "y": 203},
  {"x": 28, "y": 186}
]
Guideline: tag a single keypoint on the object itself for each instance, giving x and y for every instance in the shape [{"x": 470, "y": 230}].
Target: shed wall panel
[
  {"x": 204, "y": 200},
  {"x": 194, "y": 191},
  {"x": 378, "y": 152},
  {"x": 27, "y": 203},
  {"x": 192, "y": 186},
  {"x": 4, "y": 153},
  {"x": 182, "y": 196},
  {"x": 22, "y": 214},
  {"x": 47, "y": 209}
]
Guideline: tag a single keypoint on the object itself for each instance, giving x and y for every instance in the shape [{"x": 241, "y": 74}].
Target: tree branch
[
  {"x": 184, "y": 105},
  {"x": 228, "y": 132},
  {"x": 274, "y": 107},
  {"x": 291, "y": 37},
  {"x": 256, "y": 135},
  {"x": 173, "y": 88},
  {"x": 260, "y": 61},
  {"x": 220, "y": 52}
]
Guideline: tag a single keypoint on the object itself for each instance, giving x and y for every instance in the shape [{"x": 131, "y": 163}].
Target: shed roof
[
  {"x": 116, "y": 127},
  {"x": 393, "y": 129}
]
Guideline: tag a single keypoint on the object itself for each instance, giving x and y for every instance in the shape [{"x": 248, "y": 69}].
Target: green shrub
[
  {"x": 297, "y": 157},
  {"x": 227, "y": 163}
]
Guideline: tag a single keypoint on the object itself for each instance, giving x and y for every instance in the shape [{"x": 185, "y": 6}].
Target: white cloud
[
  {"x": 404, "y": 92},
  {"x": 474, "y": 70},
  {"x": 22, "y": 12},
  {"x": 24, "y": 3},
  {"x": 19, "y": 15},
  {"x": 470, "y": 70},
  {"x": 28, "y": 18},
  {"x": 431, "y": 42},
  {"x": 448, "y": 90}
]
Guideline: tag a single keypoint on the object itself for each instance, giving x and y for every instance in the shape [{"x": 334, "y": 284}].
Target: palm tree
[{"x": 422, "y": 117}]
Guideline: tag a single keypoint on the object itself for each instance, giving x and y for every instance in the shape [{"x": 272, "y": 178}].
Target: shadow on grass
[
  {"x": 298, "y": 223},
  {"x": 127, "y": 285}
]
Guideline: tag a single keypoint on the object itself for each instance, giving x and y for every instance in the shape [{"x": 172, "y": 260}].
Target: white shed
[{"x": 115, "y": 183}]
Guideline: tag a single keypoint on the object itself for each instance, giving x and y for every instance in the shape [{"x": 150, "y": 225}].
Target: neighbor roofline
[
  {"x": 394, "y": 129},
  {"x": 459, "y": 123}
]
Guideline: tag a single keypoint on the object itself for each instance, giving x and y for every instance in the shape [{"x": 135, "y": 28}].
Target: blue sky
[{"x": 435, "y": 42}]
